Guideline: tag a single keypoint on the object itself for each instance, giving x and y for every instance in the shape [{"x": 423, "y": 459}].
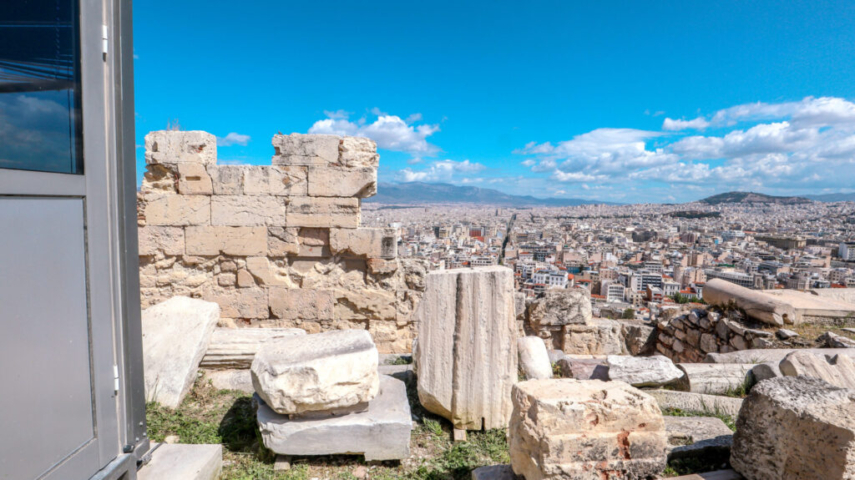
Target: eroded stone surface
[
  {"x": 643, "y": 371},
  {"x": 380, "y": 433},
  {"x": 571, "y": 429},
  {"x": 468, "y": 382},
  {"x": 795, "y": 427},
  {"x": 175, "y": 334},
  {"x": 236, "y": 347},
  {"x": 534, "y": 359},
  {"x": 838, "y": 370},
  {"x": 310, "y": 373}
]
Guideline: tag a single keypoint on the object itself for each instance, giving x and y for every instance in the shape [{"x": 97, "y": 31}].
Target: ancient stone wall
[
  {"x": 275, "y": 245},
  {"x": 689, "y": 337}
]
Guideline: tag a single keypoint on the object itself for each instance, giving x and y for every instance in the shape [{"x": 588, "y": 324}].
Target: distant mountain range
[
  {"x": 833, "y": 197},
  {"x": 418, "y": 193},
  {"x": 751, "y": 197}
]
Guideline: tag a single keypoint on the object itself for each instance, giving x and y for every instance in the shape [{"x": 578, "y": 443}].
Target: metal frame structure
[{"x": 107, "y": 189}]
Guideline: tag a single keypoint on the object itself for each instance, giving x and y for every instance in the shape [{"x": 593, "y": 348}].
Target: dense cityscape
[{"x": 636, "y": 259}]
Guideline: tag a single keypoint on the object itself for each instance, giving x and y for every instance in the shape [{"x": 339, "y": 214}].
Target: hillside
[
  {"x": 751, "y": 197},
  {"x": 427, "y": 193}
]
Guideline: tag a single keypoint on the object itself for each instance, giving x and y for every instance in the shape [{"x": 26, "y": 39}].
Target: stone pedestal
[{"x": 380, "y": 433}]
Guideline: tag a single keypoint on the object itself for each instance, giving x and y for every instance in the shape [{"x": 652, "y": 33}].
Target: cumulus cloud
[
  {"x": 699, "y": 123},
  {"x": 440, "y": 171},
  {"x": 806, "y": 144},
  {"x": 232, "y": 139},
  {"x": 389, "y": 131}
]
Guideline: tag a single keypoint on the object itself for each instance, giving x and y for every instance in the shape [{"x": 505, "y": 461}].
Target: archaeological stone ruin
[
  {"x": 274, "y": 245},
  {"x": 260, "y": 279}
]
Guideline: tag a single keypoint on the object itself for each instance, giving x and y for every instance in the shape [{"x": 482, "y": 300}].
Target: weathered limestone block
[
  {"x": 239, "y": 380},
  {"x": 599, "y": 337},
  {"x": 227, "y": 179},
  {"x": 363, "y": 304},
  {"x": 264, "y": 180},
  {"x": 282, "y": 241},
  {"x": 183, "y": 462},
  {"x": 207, "y": 240},
  {"x": 175, "y": 147},
  {"x": 584, "y": 368},
  {"x": 314, "y": 373},
  {"x": 581, "y": 430},
  {"x": 653, "y": 371},
  {"x": 765, "y": 371},
  {"x": 248, "y": 211},
  {"x": 175, "y": 334},
  {"x": 494, "y": 472},
  {"x": 467, "y": 349},
  {"x": 838, "y": 371},
  {"x": 193, "y": 179},
  {"x": 557, "y": 308},
  {"x": 158, "y": 179},
  {"x": 239, "y": 303},
  {"x": 794, "y": 428},
  {"x": 534, "y": 359},
  {"x": 299, "y": 149},
  {"x": 697, "y": 402},
  {"x": 264, "y": 272},
  {"x": 320, "y": 212},
  {"x": 177, "y": 210},
  {"x": 358, "y": 152},
  {"x": 367, "y": 242},
  {"x": 169, "y": 240},
  {"x": 236, "y": 347},
  {"x": 758, "y": 305},
  {"x": 380, "y": 433},
  {"x": 301, "y": 304},
  {"x": 695, "y": 436},
  {"x": 358, "y": 182},
  {"x": 772, "y": 354},
  {"x": 714, "y": 378},
  {"x": 639, "y": 338}
]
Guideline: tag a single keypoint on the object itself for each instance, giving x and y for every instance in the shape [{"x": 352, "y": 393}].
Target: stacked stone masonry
[
  {"x": 689, "y": 338},
  {"x": 274, "y": 245}
]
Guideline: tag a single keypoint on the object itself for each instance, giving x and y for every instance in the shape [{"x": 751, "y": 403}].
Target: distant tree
[{"x": 628, "y": 314}]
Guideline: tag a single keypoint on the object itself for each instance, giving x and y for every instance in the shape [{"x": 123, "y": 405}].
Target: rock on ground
[
  {"x": 494, "y": 472},
  {"x": 765, "y": 371},
  {"x": 176, "y": 334},
  {"x": 795, "y": 428},
  {"x": 584, "y": 368},
  {"x": 833, "y": 340},
  {"x": 236, "y": 347},
  {"x": 696, "y": 402},
  {"x": 239, "y": 380},
  {"x": 534, "y": 359},
  {"x": 310, "y": 373},
  {"x": 380, "y": 433},
  {"x": 598, "y": 337},
  {"x": 771, "y": 354},
  {"x": 838, "y": 371},
  {"x": 183, "y": 462},
  {"x": 714, "y": 378},
  {"x": 468, "y": 382},
  {"x": 643, "y": 371},
  {"x": 693, "y": 436},
  {"x": 571, "y": 429}
]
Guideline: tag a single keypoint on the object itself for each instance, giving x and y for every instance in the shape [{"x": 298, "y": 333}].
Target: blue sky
[{"x": 619, "y": 101}]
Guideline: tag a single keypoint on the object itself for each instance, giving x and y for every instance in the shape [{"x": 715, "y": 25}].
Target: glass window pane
[{"x": 40, "y": 119}]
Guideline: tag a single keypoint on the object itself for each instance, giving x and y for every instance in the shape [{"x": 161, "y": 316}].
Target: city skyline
[{"x": 612, "y": 102}]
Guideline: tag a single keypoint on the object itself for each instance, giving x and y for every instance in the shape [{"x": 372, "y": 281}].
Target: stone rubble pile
[
  {"x": 277, "y": 245},
  {"x": 320, "y": 394},
  {"x": 689, "y": 338}
]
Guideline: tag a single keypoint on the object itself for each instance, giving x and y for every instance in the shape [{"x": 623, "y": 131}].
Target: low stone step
[
  {"x": 696, "y": 402},
  {"x": 183, "y": 462},
  {"x": 236, "y": 347}
]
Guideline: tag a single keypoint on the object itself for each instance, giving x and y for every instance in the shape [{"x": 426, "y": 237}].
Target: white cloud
[
  {"x": 807, "y": 144},
  {"x": 439, "y": 171},
  {"x": 232, "y": 139},
  {"x": 673, "y": 125},
  {"x": 389, "y": 131}
]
